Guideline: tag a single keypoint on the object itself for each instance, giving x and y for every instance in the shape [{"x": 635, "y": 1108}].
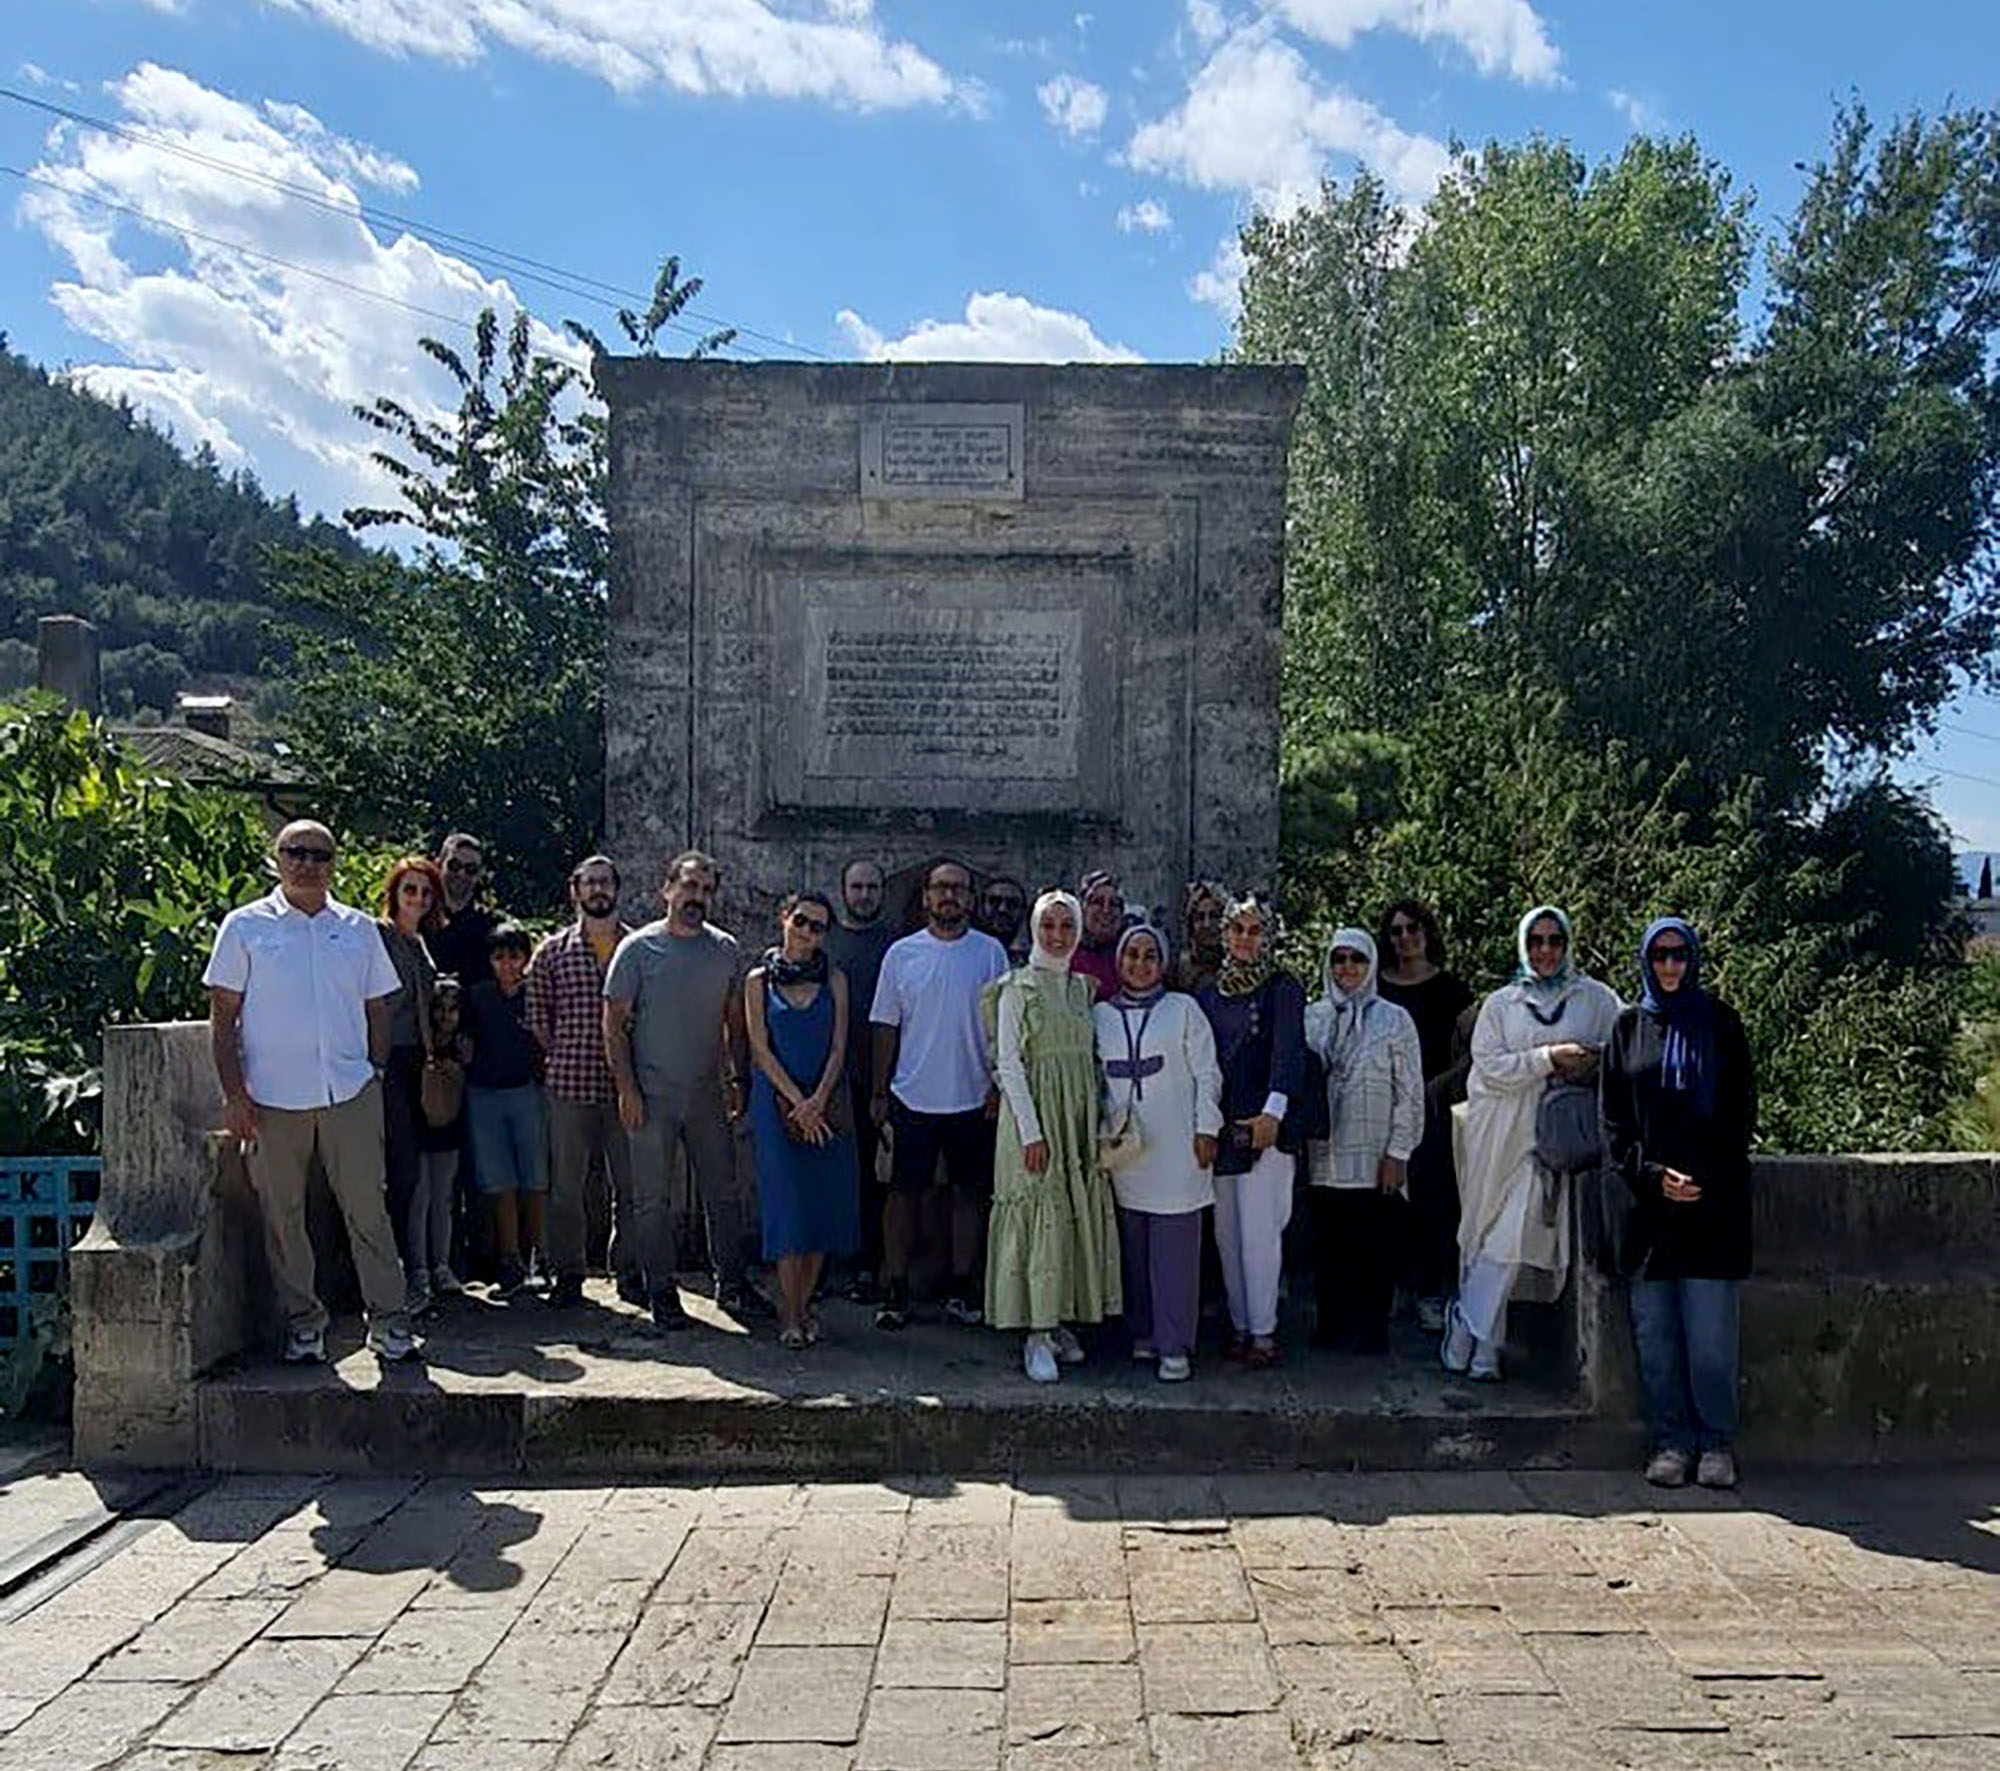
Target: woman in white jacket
[
  {"x": 1375, "y": 1113},
  {"x": 1162, "y": 1082},
  {"x": 1513, "y": 1225}
]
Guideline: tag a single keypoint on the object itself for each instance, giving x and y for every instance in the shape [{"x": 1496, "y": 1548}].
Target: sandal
[
  {"x": 811, "y": 1328},
  {"x": 793, "y": 1340}
]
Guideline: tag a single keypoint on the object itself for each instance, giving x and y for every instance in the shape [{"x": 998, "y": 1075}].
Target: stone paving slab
[{"x": 1081, "y": 1623}]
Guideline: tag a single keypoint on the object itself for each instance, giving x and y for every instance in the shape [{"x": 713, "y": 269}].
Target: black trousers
[{"x": 1355, "y": 1245}]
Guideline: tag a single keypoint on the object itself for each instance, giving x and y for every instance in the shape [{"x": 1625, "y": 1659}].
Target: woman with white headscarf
[
  {"x": 1052, "y": 1240},
  {"x": 1513, "y": 1229},
  {"x": 1375, "y": 1116}
]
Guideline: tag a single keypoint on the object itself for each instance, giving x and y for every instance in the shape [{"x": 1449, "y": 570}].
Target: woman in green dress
[{"x": 1052, "y": 1243}]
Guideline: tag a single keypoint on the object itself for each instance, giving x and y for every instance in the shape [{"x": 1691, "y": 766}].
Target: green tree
[{"x": 112, "y": 884}]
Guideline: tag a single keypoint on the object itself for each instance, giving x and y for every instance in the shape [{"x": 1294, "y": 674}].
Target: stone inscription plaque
[
  {"x": 953, "y": 694},
  {"x": 938, "y": 450}
]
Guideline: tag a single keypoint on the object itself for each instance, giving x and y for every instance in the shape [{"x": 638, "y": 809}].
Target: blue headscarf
[
  {"x": 1557, "y": 983},
  {"x": 1686, "y": 1017}
]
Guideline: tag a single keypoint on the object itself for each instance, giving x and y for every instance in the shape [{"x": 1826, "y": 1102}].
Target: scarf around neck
[
  {"x": 1686, "y": 1017},
  {"x": 1127, "y": 998},
  {"x": 1547, "y": 992},
  {"x": 1038, "y": 956},
  {"x": 1335, "y": 1024},
  {"x": 1245, "y": 977},
  {"x": 786, "y": 972}
]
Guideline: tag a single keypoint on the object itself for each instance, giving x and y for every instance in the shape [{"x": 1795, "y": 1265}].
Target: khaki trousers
[{"x": 348, "y": 1140}]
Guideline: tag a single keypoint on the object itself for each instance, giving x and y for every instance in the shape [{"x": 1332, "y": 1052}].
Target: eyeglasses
[
  {"x": 817, "y": 924},
  {"x": 296, "y": 851},
  {"x": 1548, "y": 941},
  {"x": 1669, "y": 955},
  {"x": 1346, "y": 956}
]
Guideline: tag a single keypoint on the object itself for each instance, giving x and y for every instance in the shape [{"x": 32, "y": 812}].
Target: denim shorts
[{"x": 509, "y": 1144}]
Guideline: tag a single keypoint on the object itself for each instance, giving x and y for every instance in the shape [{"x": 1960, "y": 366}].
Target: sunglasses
[
  {"x": 1669, "y": 956},
  {"x": 1347, "y": 956},
  {"x": 295, "y": 851},
  {"x": 1400, "y": 929},
  {"x": 1548, "y": 941},
  {"x": 414, "y": 888},
  {"x": 817, "y": 924},
  {"x": 462, "y": 866}
]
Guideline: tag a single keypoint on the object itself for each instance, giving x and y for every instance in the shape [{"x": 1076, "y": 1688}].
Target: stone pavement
[{"x": 1403, "y": 1622}]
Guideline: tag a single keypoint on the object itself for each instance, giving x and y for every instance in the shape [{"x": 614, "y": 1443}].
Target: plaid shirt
[{"x": 566, "y": 1013}]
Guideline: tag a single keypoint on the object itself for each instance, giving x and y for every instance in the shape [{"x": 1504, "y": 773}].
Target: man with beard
[
  {"x": 1103, "y": 922},
  {"x": 459, "y": 946},
  {"x": 566, "y": 1014},
  {"x": 933, "y": 1087},
  {"x": 856, "y": 943},
  {"x": 675, "y": 1041},
  {"x": 1003, "y": 914}
]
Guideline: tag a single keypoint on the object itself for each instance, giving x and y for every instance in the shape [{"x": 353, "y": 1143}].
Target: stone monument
[{"x": 1023, "y": 614}]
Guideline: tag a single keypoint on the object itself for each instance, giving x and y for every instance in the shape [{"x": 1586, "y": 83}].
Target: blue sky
[{"x": 851, "y": 177}]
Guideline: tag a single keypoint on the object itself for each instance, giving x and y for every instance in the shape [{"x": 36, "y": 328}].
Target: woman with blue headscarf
[
  {"x": 1680, "y": 1111},
  {"x": 1550, "y": 1022}
]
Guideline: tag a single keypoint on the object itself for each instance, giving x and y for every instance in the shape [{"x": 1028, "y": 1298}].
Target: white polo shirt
[{"x": 306, "y": 981}]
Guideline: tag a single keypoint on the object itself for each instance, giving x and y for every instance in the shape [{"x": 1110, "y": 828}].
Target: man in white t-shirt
[
  {"x": 299, "y": 990},
  {"x": 934, "y": 1088}
]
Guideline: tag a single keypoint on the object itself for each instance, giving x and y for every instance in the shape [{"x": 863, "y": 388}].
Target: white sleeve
[
  {"x": 1207, "y": 1071},
  {"x": 887, "y": 1008},
  {"x": 229, "y": 964},
  {"x": 1406, "y": 1072},
  {"x": 1275, "y": 1104},
  {"x": 1502, "y": 1069},
  {"x": 1012, "y": 1072}
]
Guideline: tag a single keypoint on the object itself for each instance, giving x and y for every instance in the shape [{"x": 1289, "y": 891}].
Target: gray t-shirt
[
  {"x": 678, "y": 986},
  {"x": 858, "y": 952}
]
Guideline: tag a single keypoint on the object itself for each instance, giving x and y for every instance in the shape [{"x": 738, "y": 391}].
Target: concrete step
[{"x": 523, "y": 1389}]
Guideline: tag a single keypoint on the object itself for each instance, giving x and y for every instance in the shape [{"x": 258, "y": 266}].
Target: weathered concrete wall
[{"x": 813, "y": 564}]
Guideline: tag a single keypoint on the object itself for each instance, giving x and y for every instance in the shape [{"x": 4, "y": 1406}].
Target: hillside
[{"x": 104, "y": 516}]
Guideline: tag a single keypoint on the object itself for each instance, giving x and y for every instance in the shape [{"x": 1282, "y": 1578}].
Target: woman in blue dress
[{"x": 796, "y": 1007}]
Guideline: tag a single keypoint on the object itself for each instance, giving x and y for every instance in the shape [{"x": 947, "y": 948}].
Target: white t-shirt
[
  {"x": 930, "y": 990},
  {"x": 305, "y": 982}
]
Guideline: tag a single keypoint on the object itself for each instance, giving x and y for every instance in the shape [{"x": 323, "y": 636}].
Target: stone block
[
  {"x": 941, "y": 1654},
  {"x": 800, "y": 1694}
]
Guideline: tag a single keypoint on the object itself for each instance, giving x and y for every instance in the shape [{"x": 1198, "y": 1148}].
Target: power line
[
  {"x": 1968, "y": 732},
  {"x": 1959, "y": 775},
  {"x": 535, "y": 270}
]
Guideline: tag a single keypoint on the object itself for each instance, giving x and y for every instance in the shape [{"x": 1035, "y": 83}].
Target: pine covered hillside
[{"x": 101, "y": 515}]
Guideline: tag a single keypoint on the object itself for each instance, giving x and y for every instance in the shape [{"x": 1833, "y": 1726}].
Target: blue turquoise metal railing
[{"x": 46, "y": 1203}]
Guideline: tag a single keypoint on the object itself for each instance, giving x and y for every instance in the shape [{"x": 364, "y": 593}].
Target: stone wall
[{"x": 1026, "y": 614}]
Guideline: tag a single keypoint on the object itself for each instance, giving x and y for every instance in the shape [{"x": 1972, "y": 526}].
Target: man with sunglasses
[
  {"x": 459, "y": 947},
  {"x": 300, "y": 989}
]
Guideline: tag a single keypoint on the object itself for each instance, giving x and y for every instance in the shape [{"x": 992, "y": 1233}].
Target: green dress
[{"x": 1052, "y": 1240}]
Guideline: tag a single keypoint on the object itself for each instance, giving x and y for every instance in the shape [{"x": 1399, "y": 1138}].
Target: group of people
[{"x": 1081, "y": 1118}]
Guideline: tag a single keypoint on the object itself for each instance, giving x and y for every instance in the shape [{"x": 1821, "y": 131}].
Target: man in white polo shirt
[{"x": 298, "y": 990}]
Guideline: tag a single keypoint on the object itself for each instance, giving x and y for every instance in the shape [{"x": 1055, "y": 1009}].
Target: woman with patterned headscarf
[
  {"x": 1680, "y": 1111},
  {"x": 1052, "y": 1239},
  {"x": 1551, "y": 1021},
  {"x": 1257, "y": 1012}
]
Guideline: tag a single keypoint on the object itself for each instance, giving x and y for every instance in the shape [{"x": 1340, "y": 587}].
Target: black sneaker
[
  {"x": 566, "y": 1294},
  {"x": 861, "y": 1288},
  {"x": 893, "y": 1311},
  {"x": 632, "y": 1290},
  {"x": 511, "y": 1283},
  {"x": 744, "y": 1300},
  {"x": 668, "y": 1314}
]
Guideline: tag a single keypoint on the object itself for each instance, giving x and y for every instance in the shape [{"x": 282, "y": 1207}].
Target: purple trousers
[{"x": 1162, "y": 1253}]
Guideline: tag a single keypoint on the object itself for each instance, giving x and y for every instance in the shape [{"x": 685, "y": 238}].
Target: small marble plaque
[{"x": 936, "y": 450}]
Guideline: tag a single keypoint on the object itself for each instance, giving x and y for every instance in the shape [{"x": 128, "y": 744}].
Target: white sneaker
[
  {"x": 1143, "y": 1354},
  {"x": 1038, "y": 1359},
  {"x": 1668, "y": 1468},
  {"x": 445, "y": 1282},
  {"x": 1455, "y": 1352},
  {"x": 1068, "y": 1348},
  {"x": 1717, "y": 1468},
  {"x": 391, "y": 1345},
  {"x": 1175, "y": 1368},
  {"x": 305, "y": 1346},
  {"x": 964, "y": 1312},
  {"x": 1485, "y": 1366}
]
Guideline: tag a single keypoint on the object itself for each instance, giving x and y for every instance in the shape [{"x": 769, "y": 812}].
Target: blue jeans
[
  {"x": 509, "y": 1149},
  {"x": 1687, "y": 1335}
]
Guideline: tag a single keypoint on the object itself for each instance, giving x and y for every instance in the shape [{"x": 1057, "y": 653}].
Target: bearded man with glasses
[{"x": 300, "y": 989}]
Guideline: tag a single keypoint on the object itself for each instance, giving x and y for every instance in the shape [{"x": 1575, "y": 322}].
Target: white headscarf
[
  {"x": 1043, "y": 905},
  {"x": 1334, "y": 1023}
]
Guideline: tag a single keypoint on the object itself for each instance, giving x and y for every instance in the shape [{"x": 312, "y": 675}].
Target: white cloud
[
  {"x": 263, "y": 360},
  {"x": 1220, "y": 286},
  {"x": 172, "y": 8},
  {"x": 34, "y": 74},
  {"x": 1074, "y": 106},
  {"x": 997, "y": 328},
  {"x": 1643, "y": 117},
  {"x": 1147, "y": 216},
  {"x": 834, "y": 50},
  {"x": 1502, "y": 36},
  {"x": 1205, "y": 20},
  {"x": 1256, "y": 119}
]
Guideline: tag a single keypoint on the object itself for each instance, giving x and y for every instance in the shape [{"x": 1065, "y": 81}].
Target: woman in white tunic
[
  {"x": 1161, "y": 1080},
  {"x": 1513, "y": 1230}
]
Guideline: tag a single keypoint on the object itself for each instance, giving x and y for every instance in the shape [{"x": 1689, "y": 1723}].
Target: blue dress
[{"x": 808, "y": 1197}]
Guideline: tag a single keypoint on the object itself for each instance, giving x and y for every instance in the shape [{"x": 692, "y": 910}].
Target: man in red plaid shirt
[{"x": 566, "y": 1012}]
